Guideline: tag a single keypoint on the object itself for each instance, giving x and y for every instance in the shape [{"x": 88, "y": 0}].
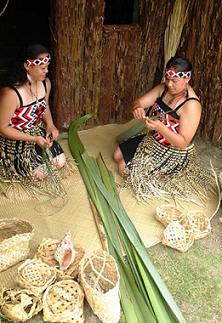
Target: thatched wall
[
  {"x": 99, "y": 68},
  {"x": 102, "y": 69},
  {"x": 202, "y": 44}
]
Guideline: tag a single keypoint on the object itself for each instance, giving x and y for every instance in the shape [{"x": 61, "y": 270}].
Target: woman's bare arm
[
  {"x": 51, "y": 130},
  {"x": 190, "y": 115},
  {"x": 147, "y": 100}
]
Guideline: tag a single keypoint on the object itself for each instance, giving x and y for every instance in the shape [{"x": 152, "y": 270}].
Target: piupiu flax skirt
[
  {"x": 18, "y": 159},
  {"x": 158, "y": 171}
]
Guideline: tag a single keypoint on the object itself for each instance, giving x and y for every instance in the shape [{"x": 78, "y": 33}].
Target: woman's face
[
  {"x": 38, "y": 72},
  {"x": 176, "y": 84}
]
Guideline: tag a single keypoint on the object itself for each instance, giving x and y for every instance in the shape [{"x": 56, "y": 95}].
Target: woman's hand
[
  {"x": 153, "y": 124},
  {"x": 41, "y": 141},
  {"x": 52, "y": 133},
  {"x": 139, "y": 113}
]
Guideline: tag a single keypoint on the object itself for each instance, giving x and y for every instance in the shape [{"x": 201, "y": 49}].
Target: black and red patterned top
[
  {"x": 167, "y": 116},
  {"x": 26, "y": 117}
]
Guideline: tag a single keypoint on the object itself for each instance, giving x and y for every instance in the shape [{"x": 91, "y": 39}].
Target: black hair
[
  {"x": 17, "y": 74},
  {"x": 33, "y": 51},
  {"x": 179, "y": 63}
]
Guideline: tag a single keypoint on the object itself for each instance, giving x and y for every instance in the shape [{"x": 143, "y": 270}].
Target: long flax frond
[{"x": 144, "y": 296}]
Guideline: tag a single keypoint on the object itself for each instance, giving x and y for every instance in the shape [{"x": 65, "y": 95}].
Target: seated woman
[
  {"x": 163, "y": 163},
  {"x": 26, "y": 125}
]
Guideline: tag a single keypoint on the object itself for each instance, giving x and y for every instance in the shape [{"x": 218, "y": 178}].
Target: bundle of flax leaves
[{"x": 144, "y": 296}]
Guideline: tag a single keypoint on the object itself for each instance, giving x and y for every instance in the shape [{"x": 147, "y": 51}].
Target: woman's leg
[
  {"x": 59, "y": 161},
  {"x": 118, "y": 157}
]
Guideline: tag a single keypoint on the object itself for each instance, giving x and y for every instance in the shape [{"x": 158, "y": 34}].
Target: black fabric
[
  {"x": 128, "y": 147},
  {"x": 56, "y": 150}
]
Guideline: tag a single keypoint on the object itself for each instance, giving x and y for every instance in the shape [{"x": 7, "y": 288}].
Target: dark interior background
[{"x": 23, "y": 22}]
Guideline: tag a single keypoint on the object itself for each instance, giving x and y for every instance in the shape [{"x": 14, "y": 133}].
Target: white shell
[{"x": 65, "y": 252}]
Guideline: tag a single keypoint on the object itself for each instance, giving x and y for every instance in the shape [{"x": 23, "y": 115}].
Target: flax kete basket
[
  {"x": 35, "y": 275},
  {"x": 15, "y": 235},
  {"x": 19, "y": 305},
  {"x": 63, "y": 302},
  {"x": 99, "y": 278}
]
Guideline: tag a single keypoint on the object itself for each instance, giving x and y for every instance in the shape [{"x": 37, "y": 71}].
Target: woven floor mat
[{"x": 53, "y": 218}]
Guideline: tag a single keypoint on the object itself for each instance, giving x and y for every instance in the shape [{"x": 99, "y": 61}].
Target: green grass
[{"x": 194, "y": 278}]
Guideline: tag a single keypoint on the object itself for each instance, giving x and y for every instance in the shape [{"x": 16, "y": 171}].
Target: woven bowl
[
  {"x": 35, "y": 275},
  {"x": 167, "y": 213},
  {"x": 200, "y": 223},
  {"x": 177, "y": 236},
  {"x": 19, "y": 305},
  {"x": 63, "y": 302},
  {"x": 15, "y": 235}
]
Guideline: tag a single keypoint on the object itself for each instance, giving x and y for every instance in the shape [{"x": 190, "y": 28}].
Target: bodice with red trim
[
  {"x": 167, "y": 116},
  {"x": 28, "y": 116}
]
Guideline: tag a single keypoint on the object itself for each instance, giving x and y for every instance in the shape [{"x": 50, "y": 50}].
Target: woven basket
[
  {"x": 63, "y": 302},
  {"x": 200, "y": 223},
  {"x": 177, "y": 236},
  {"x": 19, "y": 305},
  {"x": 35, "y": 275},
  {"x": 46, "y": 251},
  {"x": 167, "y": 213},
  {"x": 15, "y": 236},
  {"x": 99, "y": 278}
]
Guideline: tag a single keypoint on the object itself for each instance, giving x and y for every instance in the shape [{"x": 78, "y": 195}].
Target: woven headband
[
  {"x": 39, "y": 61},
  {"x": 172, "y": 73}
]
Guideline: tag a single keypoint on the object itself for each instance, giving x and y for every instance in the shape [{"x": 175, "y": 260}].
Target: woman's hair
[
  {"x": 17, "y": 75},
  {"x": 179, "y": 63},
  {"x": 33, "y": 51}
]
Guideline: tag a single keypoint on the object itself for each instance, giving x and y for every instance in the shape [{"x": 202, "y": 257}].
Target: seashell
[{"x": 65, "y": 252}]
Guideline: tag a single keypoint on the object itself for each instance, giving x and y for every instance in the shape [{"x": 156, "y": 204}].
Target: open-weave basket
[
  {"x": 63, "y": 302},
  {"x": 177, "y": 236},
  {"x": 46, "y": 251},
  {"x": 99, "y": 278},
  {"x": 15, "y": 235},
  {"x": 199, "y": 223},
  {"x": 35, "y": 275},
  {"x": 19, "y": 305},
  {"x": 167, "y": 213}
]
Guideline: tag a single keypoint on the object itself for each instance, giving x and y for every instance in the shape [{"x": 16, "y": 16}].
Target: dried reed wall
[
  {"x": 202, "y": 43},
  {"x": 101, "y": 69},
  {"x": 98, "y": 68}
]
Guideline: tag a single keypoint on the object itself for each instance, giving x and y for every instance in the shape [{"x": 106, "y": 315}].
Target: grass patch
[{"x": 194, "y": 278}]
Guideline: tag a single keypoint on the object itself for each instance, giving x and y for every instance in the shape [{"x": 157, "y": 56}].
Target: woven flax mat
[{"x": 53, "y": 218}]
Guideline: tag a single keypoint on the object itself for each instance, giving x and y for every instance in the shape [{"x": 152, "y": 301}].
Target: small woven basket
[
  {"x": 19, "y": 305},
  {"x": 15, "y": 235},
  {"x": 99, "y": 278},
  {"x": 63, "y": 302},
  {"x": 35, "y": 275},
  {"x": 177, "y": 236},
  {"x": 199, "y": 223},
  {"x": 167, "y": 213},
  {"x": 46, "y": 251}
]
